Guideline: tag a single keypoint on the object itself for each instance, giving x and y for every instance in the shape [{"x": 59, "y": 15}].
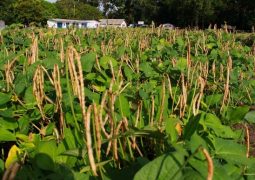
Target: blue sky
[{"x": 51, "y": 0}]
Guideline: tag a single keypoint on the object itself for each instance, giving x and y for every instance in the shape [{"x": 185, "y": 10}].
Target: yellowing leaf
[
  {"x": 178, "y": 128},
  {"x": 12, "y": 156}
]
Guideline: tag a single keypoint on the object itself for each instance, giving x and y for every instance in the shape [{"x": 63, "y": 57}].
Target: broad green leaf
[
  {"x": 199, "y": 165},
  {"x": 69, "y": 138},
  {"x": 20, "y": 83},
  {"x": 49, "y": 129},
  {"x": 213, "y": 122},
  {"x": 44, "y": 161},
  {"x": 8, "y": 123},
  {"x": 51, "y": 60},
  {"x": 7, "y": 113},
  {"x": 163, "y": 167},
  {"x": 250, "y": 117},
  {"x": 147, "y": 69},
  {"x": 143, "y": 94},
  {"x": 181, "y": 64},
  {"x": 231, "y": 151},
  {"x": 4, "y": 98},
  {"x": 23, "y": 123},
  {"x": 106, "y": 60},
  {"x": 171, "y": 130},
  {"x": 81, "y": 176},
  {"x": 91, "y": 76},
  {"x": 192, "y": 126},
  {"x": 123, "y": 105},
  {"x": 88, "y": 61},
  {"x": 221, "y": 173},
  {"x": 196, "y": 142},
  {"x": 191, "y": 174},
  {"x": 237, "y": 114},
  {"x": 48, "y": 148},
  {"x": 180, "y": 42},
  {"x": 29, "y": 98},
  {"x": 6, "y": 135},
  {"x": 61, "y": 159},
  {"x": 92, "y": 96},
  {"x": 128, "y": 73},
  {"x": 214, "y": 99}
]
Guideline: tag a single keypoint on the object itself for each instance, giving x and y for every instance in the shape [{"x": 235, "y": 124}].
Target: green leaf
[
  {"x": 163, "y": 167},
  {"x": 181, "y": 64},
  {"x": 6, "y": 135},
  {"x": 143, "y": 94},
  {"x": 250, "y": 117},
  {"x": 8, "y": 123},
  {"x": 106, "y": 60},
  {"x": 88, "y": 61},
  {"x": 213, "y": 122},
  {"x": 123, "y": 105},
  {"x": 7, "y": 113},
  {"x": 23, "y": 123},
  {"x": 44, "y": 161},
  {"x": 191, "y": 174},
  {"x": 51, "y": 60},
  {"x": 220, "y": 172},
  {"x": 94, "y": 97},
  {"x": 48, "y": 147},
  {"x": 128, "y": 73},
  {"x": 147, "y": 69},
  {"x": 49, "y": 129},
  {"x": 170, "y": 129},
  {"x": 4, "y": 98},
  {"x": 195, "y": 142},
  {"x": 237, "y": 114},
  {"x": 199, "y": 165},
  {"x": 88, "y": 168},
  {"x": 29, "y": 98},
  {"x": 69, "y": 139},
  {"x": 192, "y": 126},
  {"x": 81, "y": 176},
  {"x": 214, "y": 99},
  {"x": 1, "y": 166},
  {"x": 231, "y": 151},
  {"x": 20, "y": 83},
  {"x": 75, "y": 153}
]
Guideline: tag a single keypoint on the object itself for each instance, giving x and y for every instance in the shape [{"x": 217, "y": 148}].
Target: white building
[
  {"x": 65, "y": 23},
  {"x": 113, "y": 23}
]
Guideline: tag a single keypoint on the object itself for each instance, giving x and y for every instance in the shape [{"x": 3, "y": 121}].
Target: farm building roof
[
  {"x": 112, "y": 21},
  {"x": 72, "y": 20}
]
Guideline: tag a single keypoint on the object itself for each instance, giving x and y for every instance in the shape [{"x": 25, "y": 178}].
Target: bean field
[{"x": 126, "y": 104}]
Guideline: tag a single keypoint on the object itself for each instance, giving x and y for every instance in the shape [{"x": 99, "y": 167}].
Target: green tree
[
  {"x": 6, "y": 11},
  {"x": 71, "y": 9},
  {"x": 50, "y": 10},
  {"x": 28, "y": 11},
  {"x": 131, "y": 10}
]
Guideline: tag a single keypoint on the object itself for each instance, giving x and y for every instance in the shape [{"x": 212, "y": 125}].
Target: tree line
[
  {"x": 182, "y": 13},
  {"x": 39, "y": 11}
]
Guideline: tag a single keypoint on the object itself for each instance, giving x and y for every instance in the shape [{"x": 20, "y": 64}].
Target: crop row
[{"x": 105, "y": 102}]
